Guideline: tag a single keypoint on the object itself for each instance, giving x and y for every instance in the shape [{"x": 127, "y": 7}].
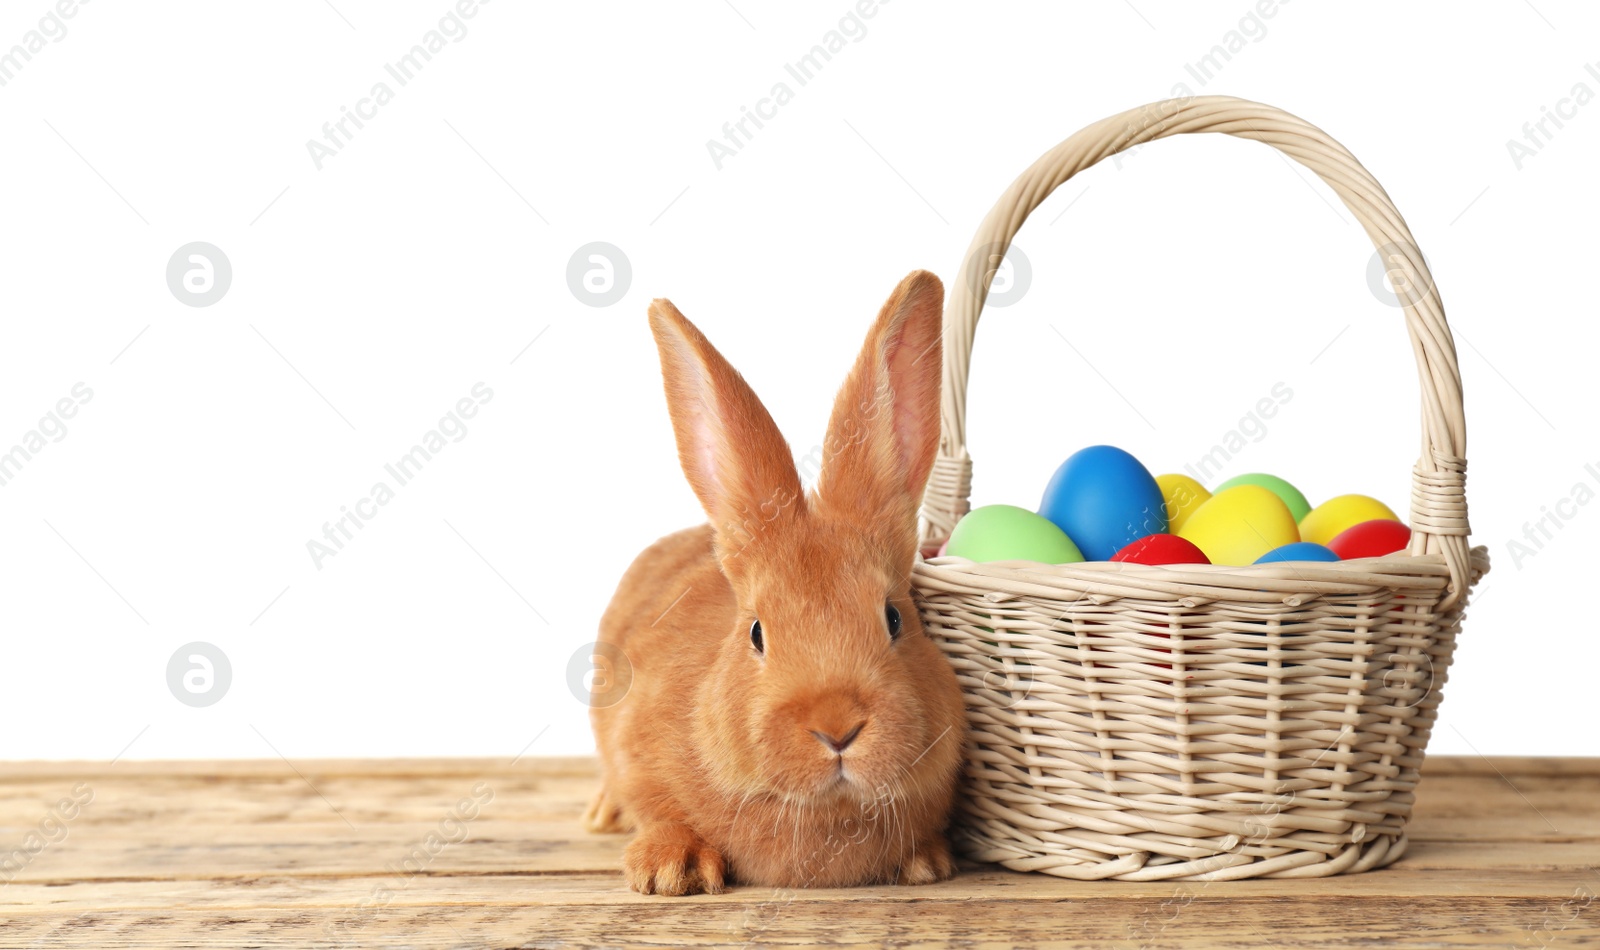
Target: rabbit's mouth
[{"x": 847, "y": 781}]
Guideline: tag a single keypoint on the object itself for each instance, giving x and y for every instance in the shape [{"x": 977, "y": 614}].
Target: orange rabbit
[{"x": 788, "y": 722}]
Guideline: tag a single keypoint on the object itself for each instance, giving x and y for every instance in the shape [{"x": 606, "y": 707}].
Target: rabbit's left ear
[{"x": 885, "y": 425}]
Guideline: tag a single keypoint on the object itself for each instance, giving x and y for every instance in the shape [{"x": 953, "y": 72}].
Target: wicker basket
[{"x": 1203, "y": 722}]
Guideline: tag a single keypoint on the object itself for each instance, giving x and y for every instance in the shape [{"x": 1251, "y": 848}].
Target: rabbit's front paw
[
  {"x": 604, "y": 815},
  {"x": 669, "y": 858},
  {"x": 930, "y": 863}
]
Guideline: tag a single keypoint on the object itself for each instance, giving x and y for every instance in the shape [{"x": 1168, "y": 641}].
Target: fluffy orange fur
[{"x": 727, "y": 760}]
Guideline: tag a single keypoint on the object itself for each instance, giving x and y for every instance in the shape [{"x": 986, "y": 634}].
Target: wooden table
[{"x": 469, "y": 853}]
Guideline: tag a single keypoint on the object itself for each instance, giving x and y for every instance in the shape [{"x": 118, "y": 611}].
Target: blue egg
[
  {"x": 1298, "y": 551},
  {"x": 1104, "y": 500}
]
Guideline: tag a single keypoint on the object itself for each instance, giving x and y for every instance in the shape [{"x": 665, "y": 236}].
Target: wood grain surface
[{"x": 486, "y": 853}]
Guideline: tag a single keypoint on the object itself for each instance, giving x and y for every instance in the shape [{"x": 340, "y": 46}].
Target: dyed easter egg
[
  {"x": 1241, "y": 524},
  {"x": 1371, "y": 539},
  {"x": 1180, "y": 496},
  {"x": 1325, "y": 521},
  {"x": 1161, "y": 549},
  {"x": 1009, "y": 533},
  {"x": 1104, "y": 500},
  {"x": 1296, "y": 502},
  {"x": 1298, "y": 551}
]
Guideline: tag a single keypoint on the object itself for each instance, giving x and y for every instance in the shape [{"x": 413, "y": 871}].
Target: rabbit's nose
[{"x": 841, "y": 743}]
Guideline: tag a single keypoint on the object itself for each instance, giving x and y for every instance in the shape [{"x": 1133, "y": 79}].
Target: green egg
[
  {"x": 1009, "y": 533},
  {"x": 1296, "y": 502}
]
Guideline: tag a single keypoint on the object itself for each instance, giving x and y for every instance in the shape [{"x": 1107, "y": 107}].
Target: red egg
[
  {"x": 1161, "y": 549},
  {"x": 1371, "y": 539}
]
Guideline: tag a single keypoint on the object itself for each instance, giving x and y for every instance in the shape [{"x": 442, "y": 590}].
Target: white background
[{"x": 372, "y": 294}]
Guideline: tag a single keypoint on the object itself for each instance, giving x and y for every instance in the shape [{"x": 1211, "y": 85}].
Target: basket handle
[{"x": 1438, "y": 501}]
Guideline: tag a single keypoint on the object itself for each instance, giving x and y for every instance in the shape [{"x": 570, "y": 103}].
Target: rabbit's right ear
[
  {"x": 736, "y": 460},
  {"x": 884, "y": 432}
]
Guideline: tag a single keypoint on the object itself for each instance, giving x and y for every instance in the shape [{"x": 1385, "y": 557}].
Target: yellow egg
[
  {"x": 1181, "y": 495},
  {"x": 1240, "y": 524},
  {"x": 1324, "y": 522}
]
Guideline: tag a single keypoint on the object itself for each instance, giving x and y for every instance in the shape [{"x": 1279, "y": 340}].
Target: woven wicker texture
[{"x": 1201, "y": 722}]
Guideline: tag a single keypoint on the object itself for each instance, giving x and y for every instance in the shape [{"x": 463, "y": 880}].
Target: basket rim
[{"x": 1291, "y": 583}]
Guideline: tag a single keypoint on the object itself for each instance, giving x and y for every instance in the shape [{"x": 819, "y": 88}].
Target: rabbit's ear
[
  {"x": 732, "y": 453},
  {"x": 885, "y": 426}
]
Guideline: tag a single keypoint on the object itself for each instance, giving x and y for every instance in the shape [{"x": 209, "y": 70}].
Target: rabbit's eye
[
  {"x": 893, "y": 616},
  {"x": 755, "y": 637}
]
